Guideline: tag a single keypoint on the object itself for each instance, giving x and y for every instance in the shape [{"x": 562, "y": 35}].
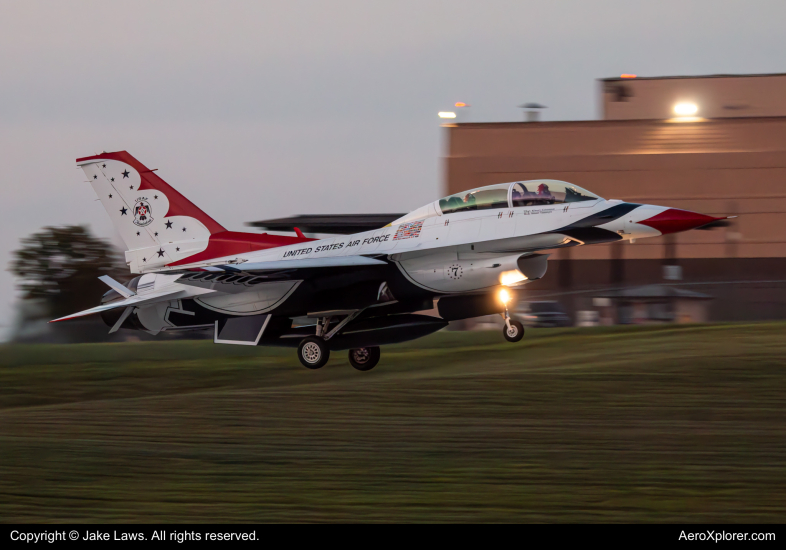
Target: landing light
[
  {"x": 509, "y": 278},
  {"x": 504, "y": 296},
  {"x": 686, "y": 109},
  {"x": 446, "y": 114}
]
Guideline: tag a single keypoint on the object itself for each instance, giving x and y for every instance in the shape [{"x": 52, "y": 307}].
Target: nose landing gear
[{"x": 513, "y": 331}]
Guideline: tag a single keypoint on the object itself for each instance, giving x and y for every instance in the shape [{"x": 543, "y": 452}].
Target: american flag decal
[{"x": 408, "y": 230}]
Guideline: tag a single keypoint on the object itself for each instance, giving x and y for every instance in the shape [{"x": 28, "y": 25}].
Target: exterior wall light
[{"x": 686, "y": 109}]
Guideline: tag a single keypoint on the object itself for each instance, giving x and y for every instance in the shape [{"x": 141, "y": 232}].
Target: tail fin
[{"x": 158, "y": 225}]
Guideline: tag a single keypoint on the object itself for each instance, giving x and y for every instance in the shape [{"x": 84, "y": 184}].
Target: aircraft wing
[
  {"x": 135, "y": 300},
  {"x": 239, "y": 277}
]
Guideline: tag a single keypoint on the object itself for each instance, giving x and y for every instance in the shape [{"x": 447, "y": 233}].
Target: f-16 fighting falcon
[{"x": 459, "y": 257}]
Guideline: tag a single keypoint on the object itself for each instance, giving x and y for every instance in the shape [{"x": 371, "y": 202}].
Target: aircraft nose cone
[{"x": 674, "y": 220}]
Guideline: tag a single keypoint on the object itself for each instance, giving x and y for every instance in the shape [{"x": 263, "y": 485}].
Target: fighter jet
[{"x": 459, "y": 257}]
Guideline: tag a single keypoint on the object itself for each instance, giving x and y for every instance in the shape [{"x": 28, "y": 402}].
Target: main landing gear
[
  {"x": 364, "y": 359},
  {"x": 513, "y": 331},
  {"x": 314, "y": 351}
]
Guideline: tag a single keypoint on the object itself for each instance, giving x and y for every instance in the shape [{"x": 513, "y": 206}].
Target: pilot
[
  {"x": 544, "y": 194},
  {"x": 519, "y": 192}
]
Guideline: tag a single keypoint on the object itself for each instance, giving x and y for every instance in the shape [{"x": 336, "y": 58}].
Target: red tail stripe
[{"x": 230, "y": 243}]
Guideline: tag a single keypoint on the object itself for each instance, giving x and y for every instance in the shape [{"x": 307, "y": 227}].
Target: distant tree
[{"x": 60, "y": 265}]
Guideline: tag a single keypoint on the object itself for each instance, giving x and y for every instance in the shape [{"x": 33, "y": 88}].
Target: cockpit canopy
[
  {"x": 503, "y": 195},
  {"x": 510, "y": 195}
]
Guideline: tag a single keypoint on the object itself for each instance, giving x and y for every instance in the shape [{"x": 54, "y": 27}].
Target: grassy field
[{"x": 684, "y": 424}]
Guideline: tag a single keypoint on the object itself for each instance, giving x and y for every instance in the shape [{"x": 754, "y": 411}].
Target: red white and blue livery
[{"x": 451, "y": 259}]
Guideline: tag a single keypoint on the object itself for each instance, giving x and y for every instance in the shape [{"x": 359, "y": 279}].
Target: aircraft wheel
[
  {"x": 364, "y": 358},
  {"x": 514, "y": 333},
  {"x": 313, "y": 352}
]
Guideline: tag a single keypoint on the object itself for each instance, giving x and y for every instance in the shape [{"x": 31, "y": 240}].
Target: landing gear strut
[
  {"x": 513, "y": 331},
  {"x": 364, "y": 359}
]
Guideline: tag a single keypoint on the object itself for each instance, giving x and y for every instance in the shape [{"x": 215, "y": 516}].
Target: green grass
[{"x": 674, "y": 424}]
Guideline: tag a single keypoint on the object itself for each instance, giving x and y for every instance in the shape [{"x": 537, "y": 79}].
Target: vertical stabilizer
[{"x": 158, "y": 225}]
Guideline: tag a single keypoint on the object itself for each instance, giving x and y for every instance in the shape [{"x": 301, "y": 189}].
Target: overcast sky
[{"x": 257, "y": 109}]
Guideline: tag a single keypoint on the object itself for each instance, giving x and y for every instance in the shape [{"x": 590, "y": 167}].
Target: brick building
[{"x": 729, "y": 158}]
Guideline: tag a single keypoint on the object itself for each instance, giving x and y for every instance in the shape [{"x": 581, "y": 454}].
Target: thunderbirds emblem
[{"x": 143, "y": 215}]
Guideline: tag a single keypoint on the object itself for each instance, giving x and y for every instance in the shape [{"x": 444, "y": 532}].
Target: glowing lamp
[
  {"x": 446, "y": 114},
  {"x": 509, "y": 278},
  {"x": 627, "y": 76},
  {"x": 686, "y": 109},
  {"x": 504, "y": 296},
  {"x": 461, "y": 104}
]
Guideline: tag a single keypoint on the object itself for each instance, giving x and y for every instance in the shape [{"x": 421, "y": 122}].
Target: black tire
[
  {"x": 313, "y": 352},
  {"x": 514, "y": 333},
  {"x": 364, "y": 359}
]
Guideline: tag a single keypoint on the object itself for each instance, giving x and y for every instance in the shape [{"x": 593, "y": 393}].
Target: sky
[{"x": 258, "y": 109}]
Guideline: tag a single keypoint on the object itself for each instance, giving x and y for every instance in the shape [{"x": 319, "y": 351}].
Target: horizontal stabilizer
[
  {"x": 122, "y": 319},
  {"x": 117, "y": 287},
  {"x": 135, "y": 300}
]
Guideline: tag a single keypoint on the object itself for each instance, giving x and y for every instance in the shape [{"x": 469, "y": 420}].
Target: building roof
[
  {"x": 667, "y": 122},
  {"x": 618, "y": 78},
  {"x": 654, "y": 291},
  {"x": 339, "y": 224}
]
